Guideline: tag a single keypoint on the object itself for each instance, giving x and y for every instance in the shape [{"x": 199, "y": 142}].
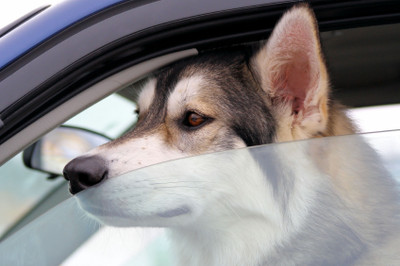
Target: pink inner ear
[
  {"x": 296, "y": 78},
  {"x": 294, "y": 51},
  {"x": 298, "y": 82}
]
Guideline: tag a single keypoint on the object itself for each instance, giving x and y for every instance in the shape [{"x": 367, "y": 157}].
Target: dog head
[{"x": 213, "y": 102}]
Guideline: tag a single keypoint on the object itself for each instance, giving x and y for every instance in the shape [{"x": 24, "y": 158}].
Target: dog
[{"x": 300, "y": 203}]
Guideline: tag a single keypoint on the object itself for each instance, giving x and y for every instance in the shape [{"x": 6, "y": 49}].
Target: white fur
[
  {"x": 184, "y": 94},
  {"x": 147, "y": 95},
  {"x": 232, "y": 217}
]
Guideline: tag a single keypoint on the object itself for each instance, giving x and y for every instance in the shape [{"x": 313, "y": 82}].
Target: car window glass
[{"x": 316, "y": 159}]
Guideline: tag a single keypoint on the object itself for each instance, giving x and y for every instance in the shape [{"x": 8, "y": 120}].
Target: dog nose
[{"x": 85, "y": 171}]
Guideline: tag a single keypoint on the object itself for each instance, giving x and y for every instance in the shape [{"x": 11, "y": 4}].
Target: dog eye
[{"x": 193, "y": 119}]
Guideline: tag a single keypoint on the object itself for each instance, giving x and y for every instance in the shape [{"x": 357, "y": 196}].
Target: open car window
[{"x": 373, "y": 160}]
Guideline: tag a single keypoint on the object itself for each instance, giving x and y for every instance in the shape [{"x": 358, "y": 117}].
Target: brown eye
[{"x": 193, "y": 119}]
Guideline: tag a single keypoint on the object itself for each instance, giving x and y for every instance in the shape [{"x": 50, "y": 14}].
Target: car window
[
  {"x": 43, "y": 243},
  {"x": 21, "y": 188}
]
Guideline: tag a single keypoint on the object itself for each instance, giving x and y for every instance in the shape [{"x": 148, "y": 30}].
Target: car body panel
[{"x": 45, "y": 24}]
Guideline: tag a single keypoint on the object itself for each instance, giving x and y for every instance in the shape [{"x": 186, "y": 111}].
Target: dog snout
[{"x": 84, "y": 172}]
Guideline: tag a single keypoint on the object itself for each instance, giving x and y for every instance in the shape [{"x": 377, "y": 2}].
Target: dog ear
[{"x": 294, "y": 76}]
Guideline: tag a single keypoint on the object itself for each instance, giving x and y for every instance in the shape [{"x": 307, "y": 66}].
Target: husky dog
[{"x": 306, "y": 206}]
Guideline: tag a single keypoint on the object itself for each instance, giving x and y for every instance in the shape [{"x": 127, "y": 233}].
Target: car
[{"x": 71, "y": 63}]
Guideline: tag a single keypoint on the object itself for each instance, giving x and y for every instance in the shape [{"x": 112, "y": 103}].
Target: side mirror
[{"x": 55, "y": 149}]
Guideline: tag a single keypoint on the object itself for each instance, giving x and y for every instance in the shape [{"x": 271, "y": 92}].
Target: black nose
[{"x": 85, "y": 171}]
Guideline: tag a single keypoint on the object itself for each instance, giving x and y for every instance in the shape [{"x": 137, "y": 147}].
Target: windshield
[{"x": 325, "y": 195}]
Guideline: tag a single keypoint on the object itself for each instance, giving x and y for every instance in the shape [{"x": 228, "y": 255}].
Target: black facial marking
[{"x": 248, "y": 113}]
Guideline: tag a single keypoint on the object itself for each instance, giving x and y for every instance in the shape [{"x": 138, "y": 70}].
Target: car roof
[
  {"x": 47, "y": 21},
  {"x": 44, "y": 23}
]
